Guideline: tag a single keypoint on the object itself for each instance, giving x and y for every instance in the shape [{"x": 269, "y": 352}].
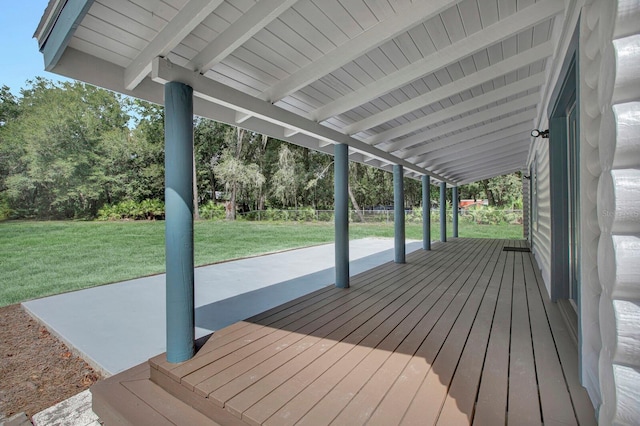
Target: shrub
[
  {"x": 133, "y": 210},
  {"x": 212, "y": 211},
  {"x": 5, "y": 211}
]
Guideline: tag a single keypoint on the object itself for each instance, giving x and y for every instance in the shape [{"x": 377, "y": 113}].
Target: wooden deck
[{"x": 463, "y": 334}]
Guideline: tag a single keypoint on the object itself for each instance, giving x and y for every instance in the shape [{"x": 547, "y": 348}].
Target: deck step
[{"x": 131, "y": 398}]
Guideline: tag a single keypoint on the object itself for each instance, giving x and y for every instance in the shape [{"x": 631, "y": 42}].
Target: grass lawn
[{"x": 43, "y": 258}]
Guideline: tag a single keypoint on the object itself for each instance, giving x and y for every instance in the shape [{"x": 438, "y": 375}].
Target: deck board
[{"x": 462, "y": 334}]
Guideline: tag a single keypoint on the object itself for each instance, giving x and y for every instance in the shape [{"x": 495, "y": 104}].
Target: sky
[{"x": 20, "y": 59}]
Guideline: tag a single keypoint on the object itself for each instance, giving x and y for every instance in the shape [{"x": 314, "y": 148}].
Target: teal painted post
[
  {"x": 454, "y": 205},
  {"x": 398, "y": 213},
  {"x": 426, "y": 213},
  {"x": 443, "y": 212},
  {"x": 341, "y": 189},
  {"x": 178, "y": 134}
]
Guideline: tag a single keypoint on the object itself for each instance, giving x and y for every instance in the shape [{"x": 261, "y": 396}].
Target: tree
[
  {"x": 504, "y": 191},
  {"x": 286, "y": 181},
  {"x": 234, "y": 173},
  {"x": 62, "y": 144}
]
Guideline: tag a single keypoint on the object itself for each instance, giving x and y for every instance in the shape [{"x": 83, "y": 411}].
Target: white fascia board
[
  {"x": 458, "y": 86},
  {"x": 205, "y": 88},
  {"x": 464, "y": 107},
  {"x": 248, "y": 25},
  {"x": 501, "y": 30},
  {"x": 187, "y": 19},
  {"x": 477, "y": 132},
  {"x": 375, "y": 36},
  {"x": 72, "y": 13}
]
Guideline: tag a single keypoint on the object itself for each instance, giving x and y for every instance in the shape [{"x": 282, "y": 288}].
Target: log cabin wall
[
  {"x": 611, "y": 154},
  {"x": 609, "y": 96}
]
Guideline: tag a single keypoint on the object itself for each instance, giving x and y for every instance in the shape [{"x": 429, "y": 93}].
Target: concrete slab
[{"x": 117, "y": 326}]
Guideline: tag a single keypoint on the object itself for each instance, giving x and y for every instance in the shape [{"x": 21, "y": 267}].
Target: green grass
[{"x": 43, "y": 258}]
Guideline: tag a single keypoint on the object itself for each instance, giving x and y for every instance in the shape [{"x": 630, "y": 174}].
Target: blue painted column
[
  {"x": 341, "y": 189},
  {"x": 178, "y": 134},
  {"x": 454, "y": 205},
  {"x": 426, "y": 213},
  {"x": 443, "y": 212},
  {"x": 398, "y": 213}
]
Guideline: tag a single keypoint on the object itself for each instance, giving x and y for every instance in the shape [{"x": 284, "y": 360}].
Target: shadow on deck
[{"x": 463, "y": 334}]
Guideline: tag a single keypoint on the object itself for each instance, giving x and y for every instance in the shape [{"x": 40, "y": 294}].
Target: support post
[
  {"x": 426, "y": 213},
  {"x": 341, "y": 189},
  {"x": 443, "y": 212},
  {"x": 454, "y": 205},
  {"x": 178, "y": 99},
  {"x": 398, "y": 213}
]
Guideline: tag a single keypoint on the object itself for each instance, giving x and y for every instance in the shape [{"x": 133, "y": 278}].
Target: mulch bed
[{"x": 36, "y": 369}]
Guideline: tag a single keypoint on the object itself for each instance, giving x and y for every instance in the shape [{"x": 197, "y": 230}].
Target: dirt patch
[{"x": 36, "y": 369}]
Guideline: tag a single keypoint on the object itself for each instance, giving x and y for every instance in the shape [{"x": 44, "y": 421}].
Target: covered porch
[{"x": 464, "y": 333}]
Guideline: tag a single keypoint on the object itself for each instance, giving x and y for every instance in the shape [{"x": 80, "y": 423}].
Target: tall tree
[
  {"x": 286, "y": 181},
  {"x": 62, "y": 144}
]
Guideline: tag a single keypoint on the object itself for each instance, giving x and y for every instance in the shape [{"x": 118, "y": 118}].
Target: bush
[
  {"x": 5, "y": 211},
  {"x": 133, "y": 210},
  {"x": 212, "y": 210}
]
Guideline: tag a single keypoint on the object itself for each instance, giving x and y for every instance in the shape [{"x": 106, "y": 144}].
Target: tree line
[{"x": 69, "y": 149}]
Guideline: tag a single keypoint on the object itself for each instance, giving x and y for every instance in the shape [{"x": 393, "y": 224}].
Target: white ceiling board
[
  {"x": 244, "y": 28},
  {"x": 504, "y": 29},
  {"x": 464, "y": 107},
  {"x": 516, "y": 131},
  {"x": 185, "y": 21},
  {"x": 457, "y": 86},
  {"x": 163, "y": 71},
  {"x": 371, "y": 38}
]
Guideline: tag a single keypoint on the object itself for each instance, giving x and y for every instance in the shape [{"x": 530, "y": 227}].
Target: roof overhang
[{"x": 447, "y": 88}]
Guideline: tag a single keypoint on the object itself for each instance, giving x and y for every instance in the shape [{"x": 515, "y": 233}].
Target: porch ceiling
[{"x": 449, "y": 88}]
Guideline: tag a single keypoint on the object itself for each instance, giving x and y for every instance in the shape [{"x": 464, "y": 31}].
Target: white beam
[
  {"x": 290, "y": 132},
  {"x": 516, "y": 131},
  {"x": 187, "y": 19},
  {"x": 248, "y": 25},
  {"x": 501, "y": 30},
  {"x": 472, "y": 178},
  {"x": 476, "y": 132},
  {"x": 458, "y": 86},
  {"x": 446, "y": 157},
  {"x": 465, "y": 107},
  {"x": 375, "y": 36},
  {"x": 205, "y": 88},
  {"x": 498, "y": 170},
  {"x": 241, "y": 117},
  {"x": 513, "y": 160},
  {"x": 322, "y": 143},
  {"x": 494, "y": 153},
  {"x": 466, "y": 139}
]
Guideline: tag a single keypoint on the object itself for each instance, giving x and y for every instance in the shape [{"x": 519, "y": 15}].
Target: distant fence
[{"x": 476, "y": 215}]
